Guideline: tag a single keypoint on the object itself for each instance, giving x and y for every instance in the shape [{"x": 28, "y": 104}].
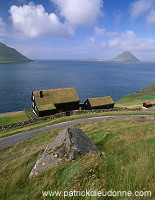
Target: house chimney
[{"x": 41, "y": 94}]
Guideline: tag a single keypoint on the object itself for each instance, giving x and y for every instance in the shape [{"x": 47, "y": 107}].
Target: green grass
[
  {"x": 127, "y": 163},
  {"x": 136, "y": 100},
  {"x": 12, "y": 118}
]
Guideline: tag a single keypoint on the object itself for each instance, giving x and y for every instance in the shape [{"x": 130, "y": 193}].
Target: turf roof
[
  {"x": 55, "y": 96},
  {"x": 100, "y": 101}
]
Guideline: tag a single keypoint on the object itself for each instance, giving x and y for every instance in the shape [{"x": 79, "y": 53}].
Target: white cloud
[
  {"x": 117, "y": 16},
  {"x": 144, "y": 8},
  {"x": 33, "y": 21},
  {"x": 99, "y": 31},
  {"x": 111, "y": 33},
  {"x": 103, "y": 32},
  {"x": 130, "y": 41},
  {"x": 150, "y": 18},
  {"x": 91, "y": 42},
  {"x": 94, "y": 43},
  {"x": 79, "y": 12},
  {"x": 140, "y": 7},
  {"x": 2, "y": 26}
]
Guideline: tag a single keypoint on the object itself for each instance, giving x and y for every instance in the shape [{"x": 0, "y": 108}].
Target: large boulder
[{"x": 68, "y": 145}]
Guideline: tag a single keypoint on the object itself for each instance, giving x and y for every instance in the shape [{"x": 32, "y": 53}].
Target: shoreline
[{"x": 11, "y": 112}]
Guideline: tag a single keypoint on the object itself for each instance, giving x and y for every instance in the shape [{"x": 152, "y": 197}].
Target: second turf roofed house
[
  {"x": 52, "y": 101},
  {"x": 99, "y": 103}
]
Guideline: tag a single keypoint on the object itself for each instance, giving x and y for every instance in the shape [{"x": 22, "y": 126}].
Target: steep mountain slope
[
  {"x": 10, "y": 55},
  {"x": 126, "y": 56}
]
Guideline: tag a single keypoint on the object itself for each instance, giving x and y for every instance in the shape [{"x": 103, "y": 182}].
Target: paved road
[{"x": 14, "y": 139}]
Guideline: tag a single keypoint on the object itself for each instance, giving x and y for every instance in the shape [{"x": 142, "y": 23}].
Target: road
[{"x": 14, "y": 139}]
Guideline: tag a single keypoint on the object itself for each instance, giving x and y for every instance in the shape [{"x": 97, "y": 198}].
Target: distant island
[
  {"x": 90, "y": 59},
  {"x": 10, "y": 55},
  {"x": 126, "y": 56}
]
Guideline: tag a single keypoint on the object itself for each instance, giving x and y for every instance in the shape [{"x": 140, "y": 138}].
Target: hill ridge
[{"x": 11, "y": 55}]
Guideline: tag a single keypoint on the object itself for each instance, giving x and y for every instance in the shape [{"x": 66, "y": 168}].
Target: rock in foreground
[{"x": 68, "y": 145}]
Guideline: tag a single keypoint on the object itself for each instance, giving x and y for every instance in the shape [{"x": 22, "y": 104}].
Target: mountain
[
  {"x": 10, "y": 55},
  {"x": 126, "y": 56}
]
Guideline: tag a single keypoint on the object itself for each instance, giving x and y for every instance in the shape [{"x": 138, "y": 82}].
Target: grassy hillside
[
  {"x": 136, "y": 100},
  {"x": 146, "y": 94},
  {"x": 10, "y": 55},
  {"x": 127, "y": 163}
]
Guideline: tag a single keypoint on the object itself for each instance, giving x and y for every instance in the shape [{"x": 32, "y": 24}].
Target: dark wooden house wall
[
  {"x": 46, "y": 112},
  {"x": 89, "y": 107},
  {"x": 67, "y": 106}
]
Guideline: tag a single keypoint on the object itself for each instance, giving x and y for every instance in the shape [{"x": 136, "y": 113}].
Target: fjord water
[{"x": 91, "y": 79}]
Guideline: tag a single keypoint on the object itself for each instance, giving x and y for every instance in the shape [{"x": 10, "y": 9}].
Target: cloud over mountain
[
  {"x": 103, "y": 32},
  {"x": 130, "y": 41}
]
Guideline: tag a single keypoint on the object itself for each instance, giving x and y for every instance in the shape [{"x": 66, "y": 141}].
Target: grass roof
[
  {"x": 99, "y": 101},
  {"x": 55, "y": 96}
]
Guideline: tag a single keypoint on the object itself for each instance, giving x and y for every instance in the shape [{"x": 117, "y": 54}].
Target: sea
[{"x": 91, "y": 79}]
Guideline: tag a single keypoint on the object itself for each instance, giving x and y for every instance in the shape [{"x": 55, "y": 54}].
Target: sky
[{"x": 79, "y": 29}]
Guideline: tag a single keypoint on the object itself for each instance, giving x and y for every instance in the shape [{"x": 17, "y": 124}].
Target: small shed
[
  {"x": 52, "y": 101},
  {"x": 147, "y": 104},
  {"x": 99, "y": 103}
]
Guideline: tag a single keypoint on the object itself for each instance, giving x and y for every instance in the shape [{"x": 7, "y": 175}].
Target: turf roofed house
[
  {"x": 99, "y": 103},
  {"x": 52, "y": 101}
]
